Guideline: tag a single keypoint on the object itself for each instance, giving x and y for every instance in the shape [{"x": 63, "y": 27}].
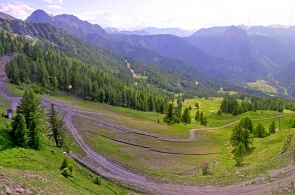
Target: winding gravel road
[{"x": 101, "y": 165}]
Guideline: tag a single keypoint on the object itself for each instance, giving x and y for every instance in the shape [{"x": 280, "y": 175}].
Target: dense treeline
[
  {"x": 9, "y": 43},
  {"x": 53, "y": 70},
  {"x": 231, "y": 105}
]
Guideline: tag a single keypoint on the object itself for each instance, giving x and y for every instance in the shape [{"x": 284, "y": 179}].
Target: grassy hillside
[
  {"x": 38, "y": 172},
  {"x": 182, "y": 162},
  {"x": 262, "y": 86}
]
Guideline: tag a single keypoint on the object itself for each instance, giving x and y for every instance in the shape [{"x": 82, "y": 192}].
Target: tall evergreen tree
[
  {"x": 197, "y": 116},
  {"x": 178, "y": 110},
  {"x": 201, "y": 118},
  {"x": 247, "y": 124},
  {"x": 186, "y": 118},
  {"x": 205, "y": 121},
  {"x": 242, "y": 134},
  {"x": 272, "y": 128},
  {"x": 260, "y": 131},
  {"x": 169, "y": 117},
  {"x": 31, "y": 109},
  {"x": 239, "y": 153},
  {"x": 56, "y": 126},
  {"x": 20, "y": 131},
  {"x": 255, "y": 106},
  {"x": 150, "y": 104},
  {"x": 197, "y": 105}
]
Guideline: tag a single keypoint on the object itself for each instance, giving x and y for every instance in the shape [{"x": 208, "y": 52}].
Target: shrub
[
  {"x": 64, "y": 164},
  {"x": 97, "y": 181},
  {"x": 67, "y": 169},
  {"x": 205, "y": 169},
  {"x": 71, "y": 168},
  {"x": 66, "y": 172}
]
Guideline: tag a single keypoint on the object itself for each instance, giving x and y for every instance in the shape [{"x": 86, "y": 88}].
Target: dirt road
[
  {"x": 267, "y": 183},
  {"x": 3, "y": 78}
]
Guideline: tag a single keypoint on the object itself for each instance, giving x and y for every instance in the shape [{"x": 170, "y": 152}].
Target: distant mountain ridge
[
  {"x": 269, "y": 31},
  {"x": 6, "y": 16},
  {"x": 152, "y": 31},
  {"x": 238, "y": 54},
  {"x": 170, "y": 52},
  {"x": 70, "y": 23}
]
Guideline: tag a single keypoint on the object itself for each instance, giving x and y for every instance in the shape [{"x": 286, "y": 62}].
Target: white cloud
[
  {"x": 185, "y": 14},
  {"x": 55, "y": 7},
  {"x": 54, "y": 1},
  {"x": 97, "y": 16},
  {"x": 17, "y": 9}
]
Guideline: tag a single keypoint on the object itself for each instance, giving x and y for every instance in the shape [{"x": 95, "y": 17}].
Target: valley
[
  {"x": 153, "y": 111},
  {"x": 84, "y": 122},
  {"x": 228, "y": 53}
]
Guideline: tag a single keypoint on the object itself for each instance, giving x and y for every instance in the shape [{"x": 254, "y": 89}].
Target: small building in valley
[{"x": 9, "y": 113}]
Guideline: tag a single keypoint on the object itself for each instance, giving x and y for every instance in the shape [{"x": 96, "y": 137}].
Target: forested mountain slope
[
  {"x": 109, "y": 61},
  {"x": 171, "y": 52},
  {"x": 172, "y": 75},
  {"x": 237, "y": 54}
]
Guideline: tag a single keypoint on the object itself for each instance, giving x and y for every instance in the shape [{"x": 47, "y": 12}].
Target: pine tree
[
  {"x": 239, "y": 153},
  {"x": 150, "y": 104},
  {"x": 260, "y": 131},
  {"x": 197, "y": 105},
  {"x": 255, "y": 106},
  {"x": 169, "y": 117},
  {"x": 178, "y": 111},
  {"x": 56, "y": 126},
  {"x": 19, "y": 130},
  {"x": 236, "y": 110},
  {"x": 272, "y": 128},
  {"x": 186, "y": 118},
  {"x": 247, "y": 124},
  {"x": 67, "y": 169},
  {"x": 205, "y": 121},
  {"x": 241, "y": 134},
  {"x": 197, "y": 116},
  {"x": 34, "y": 116},
  {"x": 64, "y": 164},
  {"x": 201, "y": 118}
]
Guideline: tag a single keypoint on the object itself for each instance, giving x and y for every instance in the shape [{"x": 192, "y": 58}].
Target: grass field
[
  {"x": 154, "y": 159},
  {"x": 262, "y": 86},
  {"x": 182, "y": 162},
  {"x": 120, "y": 146}
]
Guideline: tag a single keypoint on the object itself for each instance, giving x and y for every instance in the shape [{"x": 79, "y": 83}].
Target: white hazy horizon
[{"x": 185, "y": 14}]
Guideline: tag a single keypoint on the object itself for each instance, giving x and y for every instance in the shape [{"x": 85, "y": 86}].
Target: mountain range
[
  {"x": 236, "y": 54},
  {"x": 152, "y": 31}
]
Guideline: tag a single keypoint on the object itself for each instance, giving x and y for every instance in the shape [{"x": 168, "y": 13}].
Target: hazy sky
[{"x": 185, "y": 14}]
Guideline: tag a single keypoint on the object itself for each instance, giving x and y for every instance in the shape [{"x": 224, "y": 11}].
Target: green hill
[{"x": 27, "y": 171}]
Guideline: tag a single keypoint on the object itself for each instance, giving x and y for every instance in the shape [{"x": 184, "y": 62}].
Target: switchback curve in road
[{"x": 111, "y": 170}]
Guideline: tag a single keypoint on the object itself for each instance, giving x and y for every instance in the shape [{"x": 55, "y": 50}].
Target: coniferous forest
[{"x": 50, "y": 71}]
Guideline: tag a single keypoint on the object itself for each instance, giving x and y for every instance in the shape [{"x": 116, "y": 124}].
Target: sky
[{"x": 184, "y": 14}]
